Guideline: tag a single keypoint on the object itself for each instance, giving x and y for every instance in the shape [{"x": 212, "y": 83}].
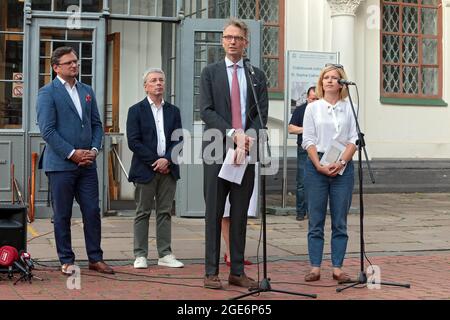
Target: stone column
[{"x": 343, "y": 34}]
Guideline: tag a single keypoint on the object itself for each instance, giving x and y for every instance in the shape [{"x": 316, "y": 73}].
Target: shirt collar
[
  {"x": 64, "y": 81},
  {"x": 331, "y": 107},
  {"x": 230, "y": 63},
  {"x": 152, "y": 104}
]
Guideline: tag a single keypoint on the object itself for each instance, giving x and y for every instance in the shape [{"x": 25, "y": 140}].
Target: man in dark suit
[
  {"x": 296, "y": 127},
  {"x": 150, "y": 125},
  {"x": 70, "y": 124},
  {"x": 227, "y": 105}
]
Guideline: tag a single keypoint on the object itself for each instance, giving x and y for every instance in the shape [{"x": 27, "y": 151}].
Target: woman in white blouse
[{"x": 329, "y": 122}]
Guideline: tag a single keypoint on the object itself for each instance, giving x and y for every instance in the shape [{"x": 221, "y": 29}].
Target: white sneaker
[
  {"x": 170, "y": 261},
  {"x": 140, "y": 263}
]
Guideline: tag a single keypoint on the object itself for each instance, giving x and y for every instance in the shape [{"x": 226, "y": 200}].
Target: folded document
[{"x": 230, "y": 171}]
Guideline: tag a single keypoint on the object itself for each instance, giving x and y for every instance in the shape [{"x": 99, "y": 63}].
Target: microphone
[
  {"x": 9, "y": 257},
  {"x": 25, "y": 257},
  {"x": 249, "y": 66},
  {"x": 346, "y": 82}
]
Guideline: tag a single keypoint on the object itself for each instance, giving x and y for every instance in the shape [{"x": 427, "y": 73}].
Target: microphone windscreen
[{"x": 8, "y": 255}]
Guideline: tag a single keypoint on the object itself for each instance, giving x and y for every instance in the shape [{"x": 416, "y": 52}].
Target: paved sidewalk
[{"x": 406, "y": 235}]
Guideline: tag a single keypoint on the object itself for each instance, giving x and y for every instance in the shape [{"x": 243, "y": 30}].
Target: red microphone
[{"x": 9, "y": 257}]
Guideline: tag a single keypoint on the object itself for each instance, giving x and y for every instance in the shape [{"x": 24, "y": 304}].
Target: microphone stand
[
  {"x": 362, "y": 277},
  {"x": 264, "y": 285}
]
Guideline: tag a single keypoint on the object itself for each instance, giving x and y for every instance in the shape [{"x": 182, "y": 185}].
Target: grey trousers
[{"x": 159, "y": 191}]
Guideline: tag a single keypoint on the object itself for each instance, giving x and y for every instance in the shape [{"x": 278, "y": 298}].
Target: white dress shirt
[
  {"x": 242, "y": 83},
  {"x": 159, "y": 122},
  {"x": 324, "y": 122},
  {"x": 73, "y": 93}
]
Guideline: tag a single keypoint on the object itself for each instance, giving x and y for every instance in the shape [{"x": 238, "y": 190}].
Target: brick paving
[
  {"x": 428, "y": 275},
  {"x": 407, "y": 237}
]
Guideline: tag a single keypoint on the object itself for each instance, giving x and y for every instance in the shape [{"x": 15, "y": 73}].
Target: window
[
  {"x": 411, "y": 49},
  {"x": 52, "y": 38},
  {"x": 66, "y": 5},
  {"x": 272, "y": 13},
  {"x": 11, "y": 64}
]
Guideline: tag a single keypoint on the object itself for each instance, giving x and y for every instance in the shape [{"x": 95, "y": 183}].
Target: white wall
[
  {"x": 308, "y": 28},
  {"x": 140, "y": 49}
]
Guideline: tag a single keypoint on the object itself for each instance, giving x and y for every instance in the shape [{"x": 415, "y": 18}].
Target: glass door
[
  {"x": 44, "y": 36},
  {"x": 199, "y": 44}
]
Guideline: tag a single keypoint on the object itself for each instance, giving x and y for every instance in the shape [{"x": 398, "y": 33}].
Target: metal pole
[{"x": 285, "y": 131}]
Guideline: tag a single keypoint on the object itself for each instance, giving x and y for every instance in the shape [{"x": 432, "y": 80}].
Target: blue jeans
[
  {"x": 338, "y": 190},
  {"x": 301, "y": 199}
]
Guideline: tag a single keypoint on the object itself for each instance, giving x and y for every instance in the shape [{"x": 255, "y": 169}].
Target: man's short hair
[
  {"x": 313, "y": 88},
  {"x": 59, "y": 52},
  {"x": 152, "y": 70},
  {"x": 239, "y": 24}
]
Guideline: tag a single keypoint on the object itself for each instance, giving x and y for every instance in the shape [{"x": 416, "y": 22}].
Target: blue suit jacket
[
  {"x": 61, "y": 126},
  {"x": 143, "y": 140}
]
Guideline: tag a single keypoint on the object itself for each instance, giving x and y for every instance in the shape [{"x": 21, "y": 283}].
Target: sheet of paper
[
  {"x": 333, "y": 154},
  {"x": 231, "y": 172}
]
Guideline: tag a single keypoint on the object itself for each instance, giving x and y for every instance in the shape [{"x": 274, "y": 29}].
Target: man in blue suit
[
  {"x": 70, "y": 124},
  {"x": 150, "y": 124}
]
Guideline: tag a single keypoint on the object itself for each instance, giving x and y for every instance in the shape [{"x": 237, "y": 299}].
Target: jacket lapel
[
  {"x": 147, "y": 111},
  {"x": 63, "y": 93},
  {"x": 250, "y": 99},
  {"x": 82, "y": 94},
  {"x": 225, "y": 85},
  {"x": 166, "y": 116}
]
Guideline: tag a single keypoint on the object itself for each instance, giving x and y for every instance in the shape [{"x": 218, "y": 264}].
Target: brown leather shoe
[
  {"x": 343, "y": 277},
  {"x": 242, "y": 281},
  {"x": 312, "y": 276},
  {"x": 101, "y": 267},
  {"x": 212, "y": 282}
]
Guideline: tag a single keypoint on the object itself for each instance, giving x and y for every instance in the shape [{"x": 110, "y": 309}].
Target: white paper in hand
[
  {"x": 231, "y": 172},
  {"x": 333, "y": 154}
]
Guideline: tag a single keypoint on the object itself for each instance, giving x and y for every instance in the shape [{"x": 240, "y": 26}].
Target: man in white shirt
[
  {"x": 150, "y": 124},
  {"x": 70, "y": 124}
]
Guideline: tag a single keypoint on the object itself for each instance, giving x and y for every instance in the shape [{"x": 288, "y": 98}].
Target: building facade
[{"x": 396, "y": 51}]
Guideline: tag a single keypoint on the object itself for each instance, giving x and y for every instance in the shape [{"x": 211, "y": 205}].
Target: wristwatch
[{"x": 343, "y": 162}]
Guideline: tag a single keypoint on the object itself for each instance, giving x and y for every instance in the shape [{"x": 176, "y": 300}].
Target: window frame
[
  {"x": 281, "y": 34},
  {"x": 439, "y": 65},
  {"x": 280, "y": 24}
]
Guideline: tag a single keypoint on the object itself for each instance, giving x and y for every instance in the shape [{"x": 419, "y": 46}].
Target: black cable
[
  {"x": 305, "y": 284},
  {"x": 50, "y": 232},
  {"x": 153, "y": 281}
]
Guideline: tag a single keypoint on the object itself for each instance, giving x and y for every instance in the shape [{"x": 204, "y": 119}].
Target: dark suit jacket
[
  {"x": 215, "y": 100},
  {"x": 61, "y": 126},
  {"x": 143, "y": 139}
]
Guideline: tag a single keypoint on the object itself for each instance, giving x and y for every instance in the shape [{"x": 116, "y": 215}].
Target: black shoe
[{"x": 298, "y": 218}]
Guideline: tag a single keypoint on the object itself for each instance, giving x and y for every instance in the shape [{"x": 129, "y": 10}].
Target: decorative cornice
[{"x": 344, "y": 7}]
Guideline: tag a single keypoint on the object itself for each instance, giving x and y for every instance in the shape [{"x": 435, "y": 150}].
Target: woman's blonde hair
[{"x": 343, "y": 92}]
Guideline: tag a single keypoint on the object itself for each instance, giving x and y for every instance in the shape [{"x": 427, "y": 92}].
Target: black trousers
[{"x": 215, "y": 193}]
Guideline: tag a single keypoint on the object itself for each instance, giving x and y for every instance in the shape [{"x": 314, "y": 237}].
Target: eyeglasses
[
  {"x": 69, "y": 63},
  {"x": 335, "y": 65},
  {"x": 229, "y": 38}
]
